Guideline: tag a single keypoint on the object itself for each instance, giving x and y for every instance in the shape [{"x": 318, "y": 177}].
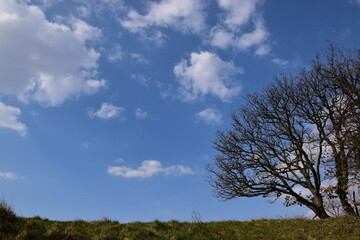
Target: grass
[{"x": 36, "y": 228}]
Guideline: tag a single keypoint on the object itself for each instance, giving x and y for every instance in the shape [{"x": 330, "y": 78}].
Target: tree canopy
[{"x": 298, "y": 139}]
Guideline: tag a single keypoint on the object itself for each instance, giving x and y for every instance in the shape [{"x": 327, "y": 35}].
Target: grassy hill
[{"x": 13, "y": 227}]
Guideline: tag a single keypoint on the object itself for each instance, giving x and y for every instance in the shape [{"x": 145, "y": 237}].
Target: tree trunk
[
  {"x": 321, "y": 213},
  {"x": 341, "y": 191},
  {"x": 348, "y": 209},
  {"x": 317, "y": 207}
]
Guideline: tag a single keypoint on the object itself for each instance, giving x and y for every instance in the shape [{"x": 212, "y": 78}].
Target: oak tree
[{"x": 298, "y": 139}]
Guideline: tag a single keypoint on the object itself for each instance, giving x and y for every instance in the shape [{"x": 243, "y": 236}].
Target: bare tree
[
  {"x": 333, "y": 83},
  {"x": 298, "y": 132}
]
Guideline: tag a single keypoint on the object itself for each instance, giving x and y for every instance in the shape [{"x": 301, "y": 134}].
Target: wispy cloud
[
  {"x": 262, "y": 50},
  {"x": 280, "y": 62},
  {"x": 8, "y": 175},
  {"x": 210, "y": 116},
  {"x": 141, "y": 79},
  {"x": 106, "y": 111},
  {"x": 205, "y": 73},
  {"x": 98, "y": 8},
  {"x": 85, "y": 145},
  {"x": 229, "y": 32},
  {"x": 139, "y": 113},
  {"x": 9, "y": 119},
  {"x": 116, "y": 53},
  {"x": 185, "y": 16},
  {"x": 148, "y": 169},
  {"x": 139, "y": 58},
  {"x": 238, "y": 12}
]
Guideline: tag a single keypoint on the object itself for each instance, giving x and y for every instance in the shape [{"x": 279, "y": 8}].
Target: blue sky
[{"x": 109, "y": 107}]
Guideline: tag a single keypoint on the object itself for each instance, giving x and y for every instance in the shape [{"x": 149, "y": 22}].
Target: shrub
[
  {"x": 8, "y": 218},
  {"x": 56, "y": 234}
]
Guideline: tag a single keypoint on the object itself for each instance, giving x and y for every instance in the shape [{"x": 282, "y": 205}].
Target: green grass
[{"x": 12, "y": 227}]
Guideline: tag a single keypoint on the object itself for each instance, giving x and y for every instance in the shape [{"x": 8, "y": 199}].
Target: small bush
[
  {"x": 32, "y": 229},
  {"x": 55, "y": 234},
  {"x": 8, "y": 218},
  {"x": 159, "y": 226},
  {"x": 36, "y": 228},
  {"x": 25, "y": 235}
]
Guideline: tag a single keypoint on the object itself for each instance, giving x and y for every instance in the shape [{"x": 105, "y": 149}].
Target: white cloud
[
  {"x": 116, "y": 54},
  {"x": 139, "y": 58},
  {"x": 238, "y": 12},
  {"x": 254, "y": 38},
  {"x": 9, "y": 119},
  {"x": 139, "y": 113},
  {"x": 85, "y": 145},
  {"x": 221, "y": 37},
  {"x": 153, "y": 36},
  {"x": 45, "y": 61},
  {"x": 263, "y": 49},
  {"x": 185, "y": 16},
  {"x": 280, "y": 62},
  {"x": 141, "y": 79},
  {"x": 106, "y": 111},
  {"x": 230, "y": 31},
  {"x": 206, "y": 74},
  {"x": 44, "y": 4},
  {"x": 8, "y": 175},
  {"x": 83, "y": 31},
  {"x": 99, "y": 8},
  {"x": 83, "y": 11},
  {"x": 148, "y": 169},
  {"x": 210, "y": 116}
]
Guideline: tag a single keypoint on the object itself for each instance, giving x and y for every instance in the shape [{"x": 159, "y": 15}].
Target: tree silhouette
[{"x": 298, "y": 132}]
